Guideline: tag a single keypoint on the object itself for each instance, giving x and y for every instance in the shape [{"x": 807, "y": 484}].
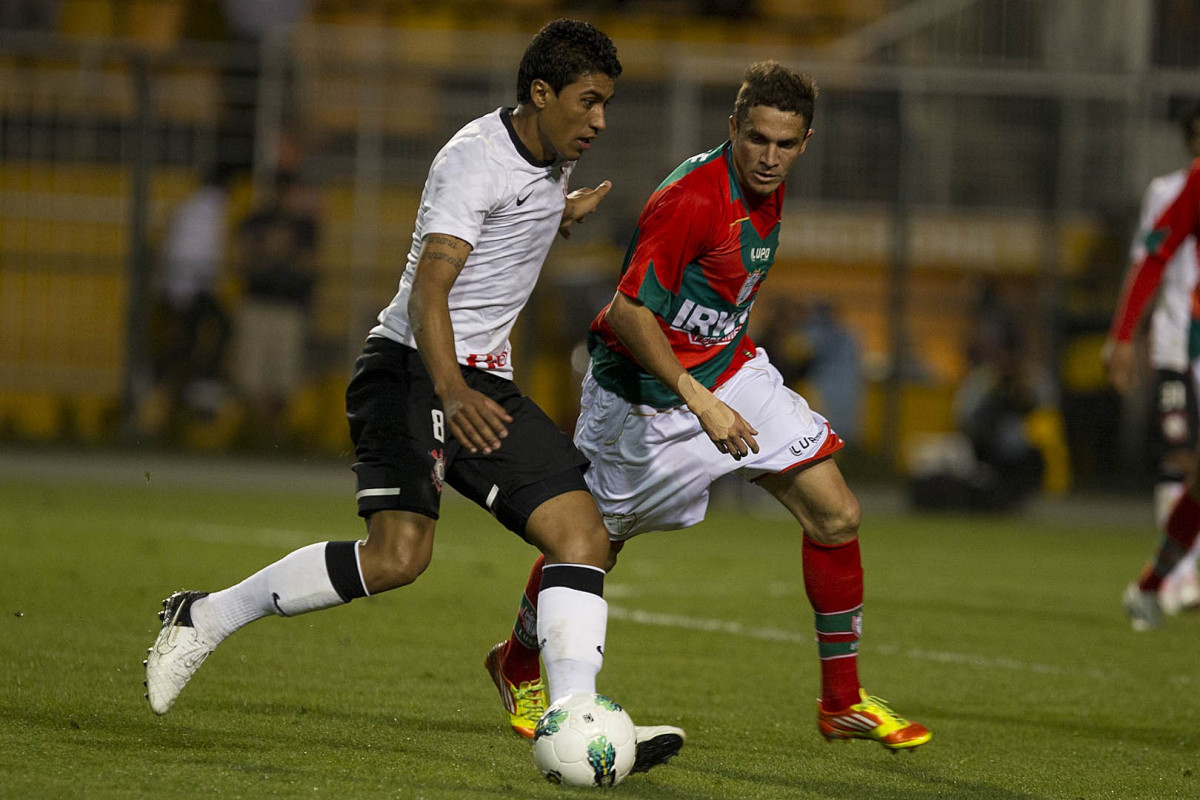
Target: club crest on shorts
[{"x": 438, "y": 474}]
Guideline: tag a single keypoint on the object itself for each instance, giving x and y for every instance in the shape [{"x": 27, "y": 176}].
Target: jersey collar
[{"x": 506, "y": 118}]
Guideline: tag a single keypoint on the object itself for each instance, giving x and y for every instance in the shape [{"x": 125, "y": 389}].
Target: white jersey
[
  {"x": 485, "y": 188},
  {"x": 1171, "y": 318}
]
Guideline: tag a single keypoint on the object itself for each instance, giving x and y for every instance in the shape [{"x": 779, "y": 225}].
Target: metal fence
[{"x": 955, "y": 140}]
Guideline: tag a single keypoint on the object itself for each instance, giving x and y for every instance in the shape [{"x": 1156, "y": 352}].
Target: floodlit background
[
  {"x": 974, "y": 178},
  {"x": 965, "y": 209}
]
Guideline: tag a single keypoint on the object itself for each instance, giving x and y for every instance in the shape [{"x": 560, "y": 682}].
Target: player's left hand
[
  {"x": 729, "y": 431},
  {"x": 580, "y": 203}
]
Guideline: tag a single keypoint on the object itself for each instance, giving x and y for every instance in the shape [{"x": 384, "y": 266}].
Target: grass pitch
[{"x": 1003, "y": 635}]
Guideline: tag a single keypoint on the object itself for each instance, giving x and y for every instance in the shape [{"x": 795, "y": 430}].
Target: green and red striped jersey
[
  {"x": 1173, "y": 228},
  {"x": 698, "y": 256}
]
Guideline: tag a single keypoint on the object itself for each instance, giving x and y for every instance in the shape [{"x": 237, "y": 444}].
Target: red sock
[
  {"x": 521, "y": 653},
  {"x": 833, "y": 579},
  {"x": 1181, "y": 529}
]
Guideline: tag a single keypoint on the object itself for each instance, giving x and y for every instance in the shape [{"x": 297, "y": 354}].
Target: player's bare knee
[
  {"x": 837, "y": 527},
  {"x": 393, "y": 567},
  {"x": 579, "y": 544},
  {"x": 397, "y": 550},
  {"x": 568, "y": 529}
]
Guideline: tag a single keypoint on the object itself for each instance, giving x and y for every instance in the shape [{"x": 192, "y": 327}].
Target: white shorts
[{"x": 652, "y": 469}]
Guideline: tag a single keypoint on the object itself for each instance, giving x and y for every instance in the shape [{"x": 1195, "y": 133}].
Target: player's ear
[
  {"x": 804, "y": 143},
  {"x": 540, "y": 93},
  {"x": 732, "y": 127}
]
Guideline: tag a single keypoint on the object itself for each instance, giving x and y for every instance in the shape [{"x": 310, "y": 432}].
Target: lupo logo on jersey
[{"x": 708, "y": 326}]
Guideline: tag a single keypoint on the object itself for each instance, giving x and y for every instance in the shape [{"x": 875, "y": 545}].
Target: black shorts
[
  {"x": 1175, "y": 412},
  {"x": 405, "y": 452}
]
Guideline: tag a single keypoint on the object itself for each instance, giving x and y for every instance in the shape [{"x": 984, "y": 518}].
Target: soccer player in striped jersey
[
  {"x": 678, "y": 395},
  {"x": 432, "y": 400},
  {"x": 1164, "y": 268}
]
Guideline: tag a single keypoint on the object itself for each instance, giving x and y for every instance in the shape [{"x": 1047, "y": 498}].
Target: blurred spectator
[
  {"x": 191, "y": 323},
  {"x": 991, "y": 407},
  {"x": 277, "y": 248},
  {"x": 996, "y": 394},
  {"x": 1005, "y": 412},
  {"x": 835, "y": 368},
  {"x": 808, "y": 342},
  {"x": 995, "y": 325},
  {"x": 785, "y": 339}
]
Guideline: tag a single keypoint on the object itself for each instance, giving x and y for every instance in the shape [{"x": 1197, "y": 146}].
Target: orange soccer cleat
[
  {"x": 524, "y": 702},
  {"x": 870, "y": 718}
]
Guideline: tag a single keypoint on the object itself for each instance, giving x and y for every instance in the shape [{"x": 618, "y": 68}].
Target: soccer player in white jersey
[
  {"x": 1174, "y": 355},
  {"x": 677, "y": 395},
  {"x": 432, "y": 402}
]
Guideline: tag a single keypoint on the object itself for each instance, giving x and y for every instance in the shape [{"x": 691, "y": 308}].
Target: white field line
[
  {"x": 221, "y": 533},
  {"x": 731, "y": 628},
  {"x": 281, "y": 537}
]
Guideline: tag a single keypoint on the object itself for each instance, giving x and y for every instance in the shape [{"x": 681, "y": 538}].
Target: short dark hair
[
  {"x": 769, "y": 83},
  {"x": 563, "y": 52}
]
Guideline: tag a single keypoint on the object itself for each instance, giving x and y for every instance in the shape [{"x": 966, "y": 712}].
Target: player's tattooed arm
[
  {"x": 440, "y": 261},
  {"x": 476, "y": 420},
  {"x": 449, "y": 250}
]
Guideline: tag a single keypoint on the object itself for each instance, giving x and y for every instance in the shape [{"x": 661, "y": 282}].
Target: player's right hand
[
  {"x": 729, "y": 431},
  {"x": 476, "y": 420},
  {"x": 1119, "y": 359}
]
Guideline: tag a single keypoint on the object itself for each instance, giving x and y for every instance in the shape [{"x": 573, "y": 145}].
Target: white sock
[
  {"x": 571, "y": 626},
  {"x": 295, "y": 584}
]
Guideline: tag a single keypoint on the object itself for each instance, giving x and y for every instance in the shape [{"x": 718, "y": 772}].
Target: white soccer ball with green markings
[{"x": 585, "y": 740}]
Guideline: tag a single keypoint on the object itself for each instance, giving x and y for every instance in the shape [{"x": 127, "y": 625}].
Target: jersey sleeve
[
  {"x": 672, "y": 232},
  {"x": 1150, "y": 209},
  {"x": 459, "y": 192},
  {"x": 1180, "y": 219}
]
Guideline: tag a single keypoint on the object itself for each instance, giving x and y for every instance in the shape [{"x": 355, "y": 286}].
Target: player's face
[
  {"x": 766, "y": 146},
  {"x": 572, "y": 118}
]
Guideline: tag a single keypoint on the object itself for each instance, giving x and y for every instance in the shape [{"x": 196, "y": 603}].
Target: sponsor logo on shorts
[{"x": 805, "y": 443}]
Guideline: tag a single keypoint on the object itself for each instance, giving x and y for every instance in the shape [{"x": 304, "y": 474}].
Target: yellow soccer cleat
[
  {"x": 870, "y": 718},
  {"x": 525, "y": 703}
]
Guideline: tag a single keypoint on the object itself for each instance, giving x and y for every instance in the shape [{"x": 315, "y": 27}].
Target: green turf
[{"x": 1002, "y": 635}]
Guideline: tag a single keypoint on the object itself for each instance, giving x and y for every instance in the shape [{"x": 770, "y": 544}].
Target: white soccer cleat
[
  {"x": 1180, "y": 592},
  {"x": 177, "y": 653},
  {"x": 656, "y": 744},
  {"x": 1142, "y": 608}
]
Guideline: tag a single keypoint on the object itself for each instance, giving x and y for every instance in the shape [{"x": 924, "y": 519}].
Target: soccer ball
[{"x": 585, "y": 740}]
